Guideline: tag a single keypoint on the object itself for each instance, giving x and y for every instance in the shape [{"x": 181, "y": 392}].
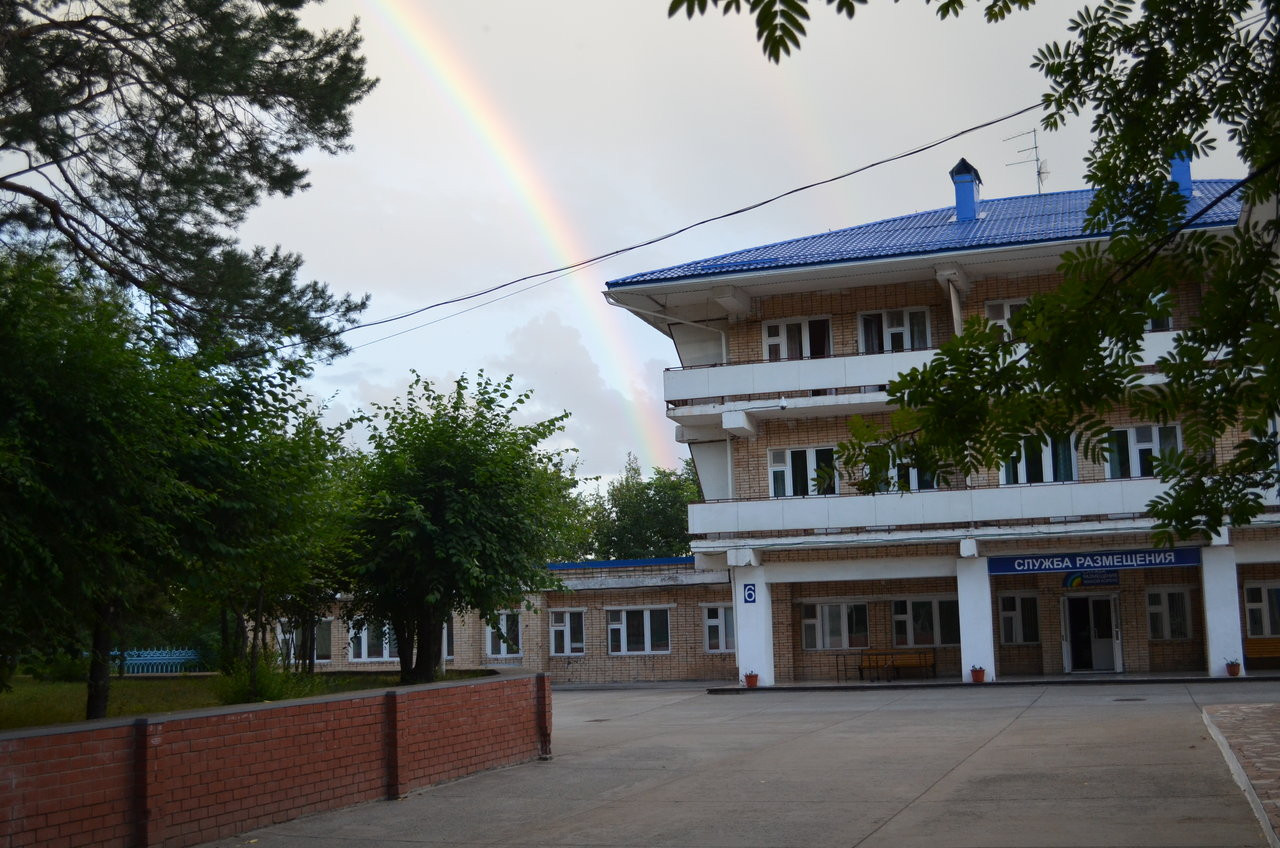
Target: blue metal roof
[{"x": 1002, "y": 222}]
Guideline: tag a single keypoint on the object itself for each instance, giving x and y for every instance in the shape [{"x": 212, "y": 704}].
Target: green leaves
[
  {"x": 638, "y": 518},
  {"x": 460, "y": 507},
  {"x": 158, "y": 127}
]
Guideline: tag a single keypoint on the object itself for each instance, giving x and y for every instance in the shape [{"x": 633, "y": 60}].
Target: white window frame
[
  {"x": 508, "y": 624},
  {"x": 776, "y": 338},
  {"x": 1143, "y": 443},
  {"x": 288, "y": 642},
  {"x": 719, "y": 629},
  {"x": 824, "y": 626},
  {"x": 564, "y": 629},
  {"x": 1164, "y": 323},
  {"x": 446, "y": 638},
  {"x": 1018, "y": 470},
  {"x": 1159, "y": 620},
  {"x": 909, "y": 631},
  {"x": 895, "y": 337},
  {"x": 783, "y": 461},
  {"x": 916, "y": 482},
  {"x": 1012, "y": 621},
  {"x": 1001, "y": 312},
  {"x": 1258, "y": 611},
  {"x": 358, "y": 643},
  {"x": 619, "y": 620}
]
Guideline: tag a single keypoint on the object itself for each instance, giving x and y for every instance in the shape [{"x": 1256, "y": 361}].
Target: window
[
  {"x": 915, "y": 479},
  {"x": 292, "y": 643},
  {"x": 639, "y": 631},
  {"x": 793, "y": 473},
  {"x": 926, "y": 622},
  {"x": 1133, "y": 451},
  {"x": 893, "y": 330},
  {"x": 1001, "y": 312},
  {"x": 448, "y": 639},
  {"x": 1019, "y": 619},
  {"x": 1161, "y": 307},
  {"x": 1168, "y": 614},
  {"x": 718, "y": 623},
  {"x": 566, "y": 633},
  {"x": 1053, "y": 461},
  {"x": 373, "y": 642},
  {"x": 508, "y": 626},
  {"x": 834, "y": 626},
  {"x": 1262, "y": 608},
  {"x": 808, "y": 338}
]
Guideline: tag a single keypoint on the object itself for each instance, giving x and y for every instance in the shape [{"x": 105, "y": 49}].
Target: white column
[
  {"x": 973, "y": 587},
  {"x": 1221, "y": 608},
  {"x": 753, "y": 618}
]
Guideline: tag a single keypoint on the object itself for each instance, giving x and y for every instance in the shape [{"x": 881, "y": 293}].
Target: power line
[{"x": 565, "y": 270}]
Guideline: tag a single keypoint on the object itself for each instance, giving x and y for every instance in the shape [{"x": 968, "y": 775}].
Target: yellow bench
[
  {"x": 891, "y": 661},
  {"x": 1260, "y": 649}
]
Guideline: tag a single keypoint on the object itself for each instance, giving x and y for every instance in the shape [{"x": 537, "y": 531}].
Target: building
[
  {"x": 1041, "y": 567},
  {"x": 614, "y": 621}
]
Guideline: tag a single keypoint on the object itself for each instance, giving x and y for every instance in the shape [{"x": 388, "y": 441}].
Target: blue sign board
[
  {"x": 1090, "y": 560},
  {"x": 748, "y": 593}
]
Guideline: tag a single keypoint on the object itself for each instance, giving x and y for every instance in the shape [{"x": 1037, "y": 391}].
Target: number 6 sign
[{"x": 748, "y": 593}]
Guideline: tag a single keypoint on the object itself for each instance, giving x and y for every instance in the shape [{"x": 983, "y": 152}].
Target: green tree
[
  {"x": 269, "y": 537},
  {"x": 1165, "y": 79},
  {"x": 460, "y": 509},
  {"x": 637, "y": 518},
  {"x": 141, "y": 133},
  {"x": 92, "y": 413}
]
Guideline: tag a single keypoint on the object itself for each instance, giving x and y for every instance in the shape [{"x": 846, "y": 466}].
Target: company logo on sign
[{"x": 1092, "y": 560}]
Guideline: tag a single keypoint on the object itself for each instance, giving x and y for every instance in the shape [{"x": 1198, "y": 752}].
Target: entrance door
[{"x": 1090, "y": 633}]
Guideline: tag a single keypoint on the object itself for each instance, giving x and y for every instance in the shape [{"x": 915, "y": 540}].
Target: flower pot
[
  {"x": 752, "y": 680},
  {"x": 979, "y": 675},
  {"x": 1233, "y": 669}
]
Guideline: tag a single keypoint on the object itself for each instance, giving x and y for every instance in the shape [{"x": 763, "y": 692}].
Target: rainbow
[{"x": 427, "y": 46}]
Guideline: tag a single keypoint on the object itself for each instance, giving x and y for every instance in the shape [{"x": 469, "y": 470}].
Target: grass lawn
[{"x": 33, "y": 703}]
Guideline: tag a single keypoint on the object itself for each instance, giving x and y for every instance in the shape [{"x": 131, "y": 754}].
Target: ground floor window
[
  {"x": 448, "y": 639},
  {"x": 373, "y": 642},
  {"x": 292, "y": 642},
  {"x": 718, "y": 626},
  {"x": 566, "y": 633},
  {"x": 918, "y": 622},
  {"x": 1019, "y": 619},
  {"x": 504, "y": 635},
  {"x": 1168, "y": 614},
  {"x": 639, "y": 631},
  {"x": 1262, "y": 608},
  {"x": 834, "y": 626}
]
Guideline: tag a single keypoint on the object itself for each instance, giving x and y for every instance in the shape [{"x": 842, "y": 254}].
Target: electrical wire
[{"x": 565, "y": 270}]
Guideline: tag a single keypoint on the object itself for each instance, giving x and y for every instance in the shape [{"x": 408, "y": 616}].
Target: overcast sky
[{"x": 510, "y": 137}]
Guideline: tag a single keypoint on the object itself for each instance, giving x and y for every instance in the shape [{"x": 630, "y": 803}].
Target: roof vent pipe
[
  {"x": 966, "y": 179},
  {"x": 1180, "y": 174}
]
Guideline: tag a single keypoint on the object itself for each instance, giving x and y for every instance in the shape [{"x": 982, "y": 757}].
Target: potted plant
[
  {"x": 978, "y": 673},
  {"x": 1233, "y": 668},
  {"x": 751, "y": 679}
]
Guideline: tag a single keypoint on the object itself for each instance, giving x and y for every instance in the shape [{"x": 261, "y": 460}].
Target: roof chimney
[
  {"x": 966, "y": 179},
  {"x": 1180, "y": 174}
]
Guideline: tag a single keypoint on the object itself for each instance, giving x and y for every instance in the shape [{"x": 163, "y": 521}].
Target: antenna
[{"x": 1042, "y": 166}]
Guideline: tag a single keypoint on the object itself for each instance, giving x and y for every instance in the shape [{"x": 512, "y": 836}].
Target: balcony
[
  {"x": 718, "y": 383},
  {"x": 1036, "y": 503}
]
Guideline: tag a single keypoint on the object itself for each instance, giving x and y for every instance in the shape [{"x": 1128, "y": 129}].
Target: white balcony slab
[
  {"x": 1009, "y": 503},
  {"x": 789, "y": 376}
]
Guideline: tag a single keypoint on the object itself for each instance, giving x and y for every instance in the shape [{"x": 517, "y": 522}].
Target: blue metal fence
[{"x": 161, "y": 661}]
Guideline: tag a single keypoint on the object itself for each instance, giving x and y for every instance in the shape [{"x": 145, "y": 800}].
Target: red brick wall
[{"x": 184, "y": 779}]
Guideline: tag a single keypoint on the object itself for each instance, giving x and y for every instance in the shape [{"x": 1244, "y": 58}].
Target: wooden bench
[
  {"x": 891, "y": 661},
  {"x": 1261, "y": 649}
]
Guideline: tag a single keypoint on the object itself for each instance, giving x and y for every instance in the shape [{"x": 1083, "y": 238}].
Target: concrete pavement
[{"x": 1113, "y": 765}]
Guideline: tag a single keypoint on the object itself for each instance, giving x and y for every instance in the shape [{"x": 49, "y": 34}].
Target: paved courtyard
[{"x": 1077, "y": 765}]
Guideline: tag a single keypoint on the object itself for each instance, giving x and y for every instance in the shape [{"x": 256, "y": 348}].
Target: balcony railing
[
  {"x": 835, "y": 372},
  {"x": 977, "y": 506}
]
